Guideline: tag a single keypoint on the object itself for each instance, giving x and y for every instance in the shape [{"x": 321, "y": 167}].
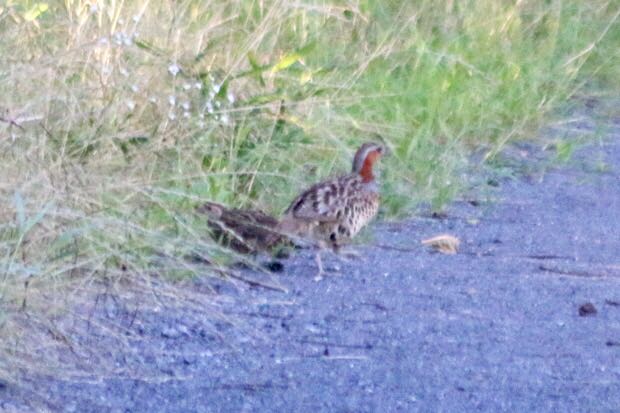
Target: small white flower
[
  {"x": 186, "y": 105},
  {"x": 121, "y": 21},
  {"x": 135, "y": 18},
  {"x": 209, "y": 107},
  {"x": 186, "y": 115},
  {"x": 120, "y": 38},
  {"x": 201, "y": 115},
  {"x": 187, "y": 86},
  {"x": 135, "y": 88},
  {"x": 172, "y": 116},
  {"x": 198, "y": 85},
  {"x": 153, "y": 99},
  {"x": 230, "y": 97},
  {"x": 225, "y": 119},
  {"x": 123, "y": 71},
  {"x": 172, "y": 100},
  {"x": 93, "y": 8},
  {"x": 174, "y": 69},
  {"x": 131, "y": 104},
  {"x": 104, "y": 40},
  {"x": 201, "y": 124},
  {"x": 216, "y": 88},
  {"x": 217, "y": 104}
]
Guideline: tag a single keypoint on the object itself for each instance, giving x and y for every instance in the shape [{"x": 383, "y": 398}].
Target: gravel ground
[{"x": 504, "y": 325}]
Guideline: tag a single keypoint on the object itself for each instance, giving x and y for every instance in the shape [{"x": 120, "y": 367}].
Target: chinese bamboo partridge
[
  {"x": 335, "y": 210},
  {"x": 244, "y": 230}
]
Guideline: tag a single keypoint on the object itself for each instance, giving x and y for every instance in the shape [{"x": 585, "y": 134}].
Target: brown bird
[
  {"x": 335, "y": 210},
  {"x": 244, "y": 230}
]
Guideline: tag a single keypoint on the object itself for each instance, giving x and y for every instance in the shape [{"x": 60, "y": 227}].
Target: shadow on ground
[{"x": 501, "y": 326}]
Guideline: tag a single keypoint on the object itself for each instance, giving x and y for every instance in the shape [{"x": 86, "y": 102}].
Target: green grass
[{"x": 118, "y": 119}]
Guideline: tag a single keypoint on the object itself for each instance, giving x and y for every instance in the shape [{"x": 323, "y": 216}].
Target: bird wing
[{"x": 323, "y": 202}]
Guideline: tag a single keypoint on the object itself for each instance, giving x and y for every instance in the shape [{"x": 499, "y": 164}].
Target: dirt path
[{"x": 496, "y": 327}]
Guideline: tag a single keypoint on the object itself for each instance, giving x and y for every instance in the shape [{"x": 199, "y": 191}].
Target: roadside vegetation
[{"x": 117, "y": 118}]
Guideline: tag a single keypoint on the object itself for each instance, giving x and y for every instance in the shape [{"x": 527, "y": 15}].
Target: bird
[
  {"x": 247, "y": 231},
  {"x": 335, "y": 210}
]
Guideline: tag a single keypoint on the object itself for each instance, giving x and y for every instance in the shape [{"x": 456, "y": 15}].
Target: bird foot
[{"x": 333, "y": 270}]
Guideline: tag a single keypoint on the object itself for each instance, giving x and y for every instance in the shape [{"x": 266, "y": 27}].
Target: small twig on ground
[
  {"x": 395, "y": 248},
  {"x": 252, "y": 386},
  {"x": 576, "y": 272},
  {"x": 256, "y": 283},
  {"x": 345, "y": 357},
  {"x": 337, "y": 345},
  {"x": 549, "y": 257}
]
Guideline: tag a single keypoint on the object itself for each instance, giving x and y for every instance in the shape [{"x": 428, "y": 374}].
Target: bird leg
[{"x": 319, "y": 264}]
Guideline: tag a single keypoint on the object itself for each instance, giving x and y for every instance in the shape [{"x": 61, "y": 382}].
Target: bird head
[{"x": 365, "y": 158}]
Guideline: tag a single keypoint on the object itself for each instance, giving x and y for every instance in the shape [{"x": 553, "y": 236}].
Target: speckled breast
[{"x": 362, "y": 211}]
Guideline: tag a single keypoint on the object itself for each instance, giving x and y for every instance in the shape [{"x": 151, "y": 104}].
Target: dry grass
[{"x": 117, "y": 118}]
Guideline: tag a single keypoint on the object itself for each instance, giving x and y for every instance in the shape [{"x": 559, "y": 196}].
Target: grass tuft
[{"x": 117, "y": 118}]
